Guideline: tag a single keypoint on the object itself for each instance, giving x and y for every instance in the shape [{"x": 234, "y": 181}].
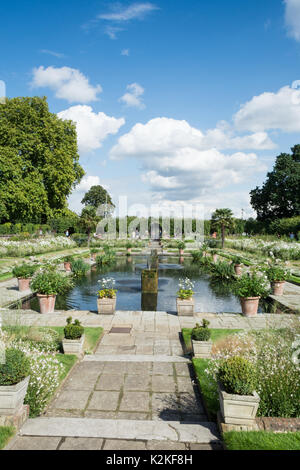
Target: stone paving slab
[
  {"x": 205, "y": 432},
  {"x": 134, "y": 358}
]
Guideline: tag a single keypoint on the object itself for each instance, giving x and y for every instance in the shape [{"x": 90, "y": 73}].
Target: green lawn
[
  {"x": 216, "y": 333},
  {"x": 68, "y": 360},
  {"x": 6, "y": 432},
  {"x": 261, "y": 440}
]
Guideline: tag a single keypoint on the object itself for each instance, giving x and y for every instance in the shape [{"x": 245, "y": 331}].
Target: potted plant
[
  {"x": 277, "y": 275},
  {"x": 236, "y": 383},
  {"x": 14, "y": 380},
  {"x": 237, "y": 261},
  {"x": 24, "y": 274},
  {"x": 48, "y": 283},
  {"x": 181, "y": 247},
  {"x": 129, "y": 246},
  {"x": 204, "y": 249},
  {"x": 201, "y": 342},
  {"x": 94, "y": 252},
  {"x": 73, "y": 340},
  {"x": 215, "y": 256},
  {"x": 185, "y": 301},
  {"x": 107, "y": 297},
  {"x": 250, "y": 287},
  {"x": 67, "y": 263}
]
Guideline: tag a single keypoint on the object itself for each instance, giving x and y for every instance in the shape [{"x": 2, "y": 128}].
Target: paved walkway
[
  {"x": 290, "y": 298},
  {"x": 137, "y": 391}
]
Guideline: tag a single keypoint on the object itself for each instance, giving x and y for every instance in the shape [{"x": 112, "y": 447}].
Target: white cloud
[
  {"x": 86, "y": 183},
  {"x": 123, "y": 14},
  {"x": 292, "y": 18},
  {"x": 125, "y": 52},
  {"x": 67, "y": 83},
  {"x": 58, "y": 55},
  {"x": 279, "y": 110},
  {"x": 133, "y": 97},
  {"x": 92, "y": 128},
  {"x": 180, "y": 162}
]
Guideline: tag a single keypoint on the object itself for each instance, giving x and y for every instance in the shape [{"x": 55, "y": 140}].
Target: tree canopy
[
  {"x": 39, "y": 161},
  {"x": 98, "y": 196},
  {"x": 222, "y": 219},
  {"x": 279, "y": 196}
]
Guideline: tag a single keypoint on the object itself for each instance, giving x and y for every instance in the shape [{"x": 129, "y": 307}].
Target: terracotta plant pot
[
  {"x": 128, "y": 250},
  {"x": 215, "y": 258},
  {"x": 238, "y": 269},
  {"x": 249, "y": 306},
  {"x": 67, "y": 266},
  {"x": 277, "y": 287},
  {"x": 181, "y": 252},
  {"x": 93, "y": 256},
  {"x": 47, "y": 303},
  {"x": 24, "y": 284}
]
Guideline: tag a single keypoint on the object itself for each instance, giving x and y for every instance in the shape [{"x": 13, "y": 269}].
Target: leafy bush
[
  {"x": 276, "y": 273},
  {"x": 49, "y": 282},
  {"x": 251, "y": 285},
  {"x": 237, "y": 260},
  {"x": 181, "y": 245},
  {"x": 73, "y": 330},
  {"x": 197, "y": 255},
  {"x": 24, "y": 271},
  {"x": 237, "y": 376},
  {"x": 80, "y": 239},
  {"x": 222, "y": 270},
  {"x": 15, "y": 368},
  {"x": 201, "y": 333},
  {"x": 79, "y": 267}
]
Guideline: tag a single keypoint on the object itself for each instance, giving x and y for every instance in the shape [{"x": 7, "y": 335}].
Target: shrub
[
  {"x": 251, "y": 285},
  {"x": 79, "y": 267},
  {"x": 237, "y": 260},
  {"x": 276, "y": 273},
  {"x": 197, "y": 256},
  {"x": 25, "y": 271},
  {"x": 222, "y": 270},
  {"x": 181, "y": 245},
  {"x": 201, "y": 333},
  {"x": 49, "y": 282},
  {"x": 73, "y": 330},
  {"x": 15, "y": 368},
  {"x": 237, "y": 376}
]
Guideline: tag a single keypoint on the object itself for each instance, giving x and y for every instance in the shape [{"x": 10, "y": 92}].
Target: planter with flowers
[
  {"x": 129, "y": 247},
  {"x": 94, "y": 252},
  {"x": 239, "y": 401},
  {"x": 73, "y": 340},
  {"x": 250, "y": 287},
  {"x": 201, "y": 342},
  {"x": 185, "y": 302},
  {"x": 68, "y": 263},
  {"x": 237, "y": 262},
  {"x": 48, "y": 284},
  {"x": 14, "y": 380},
  {"x": 277, "y": 276},
  {"x": 107, "y": 297},
  {"x": 24, "y": 275},
  {"x": 181, "y": 247}
]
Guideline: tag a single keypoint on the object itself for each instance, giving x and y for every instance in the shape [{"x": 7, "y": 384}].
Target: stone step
[
  {"x": 134, "y": 358},
  {"x": 203, "y": 433}
]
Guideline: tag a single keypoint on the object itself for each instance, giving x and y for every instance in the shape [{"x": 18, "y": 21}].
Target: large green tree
[
  {"x": 98, "y": 196},
  {"x": 222, "y": 219},
  {"x": 279, "y": 196},
  {"x": 39, "y": 161},
  {"x": 89, "y": 220}
]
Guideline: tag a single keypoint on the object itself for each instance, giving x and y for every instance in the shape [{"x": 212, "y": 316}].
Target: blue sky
[{"x": 175, "y": 101}]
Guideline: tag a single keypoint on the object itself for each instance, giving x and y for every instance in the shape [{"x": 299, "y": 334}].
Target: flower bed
[
  {"x": 271, "y": 353},
  {"x": 282, "y": 250},
  {"x": 34, "y": 246}
]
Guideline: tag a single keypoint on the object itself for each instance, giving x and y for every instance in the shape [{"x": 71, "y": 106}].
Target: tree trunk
[
  {"x": 89, "y": 238},
  {"x": 223, "y": 236}
]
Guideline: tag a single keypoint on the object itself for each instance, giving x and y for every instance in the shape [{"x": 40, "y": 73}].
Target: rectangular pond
[{"x": 210, "y": 296}]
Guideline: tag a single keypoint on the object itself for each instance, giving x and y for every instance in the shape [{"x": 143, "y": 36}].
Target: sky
[{"x": 175, "y": 102}]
